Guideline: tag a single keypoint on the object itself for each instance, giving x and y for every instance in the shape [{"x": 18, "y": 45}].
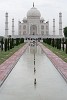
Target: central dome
[{"x": 33, "y": 12}]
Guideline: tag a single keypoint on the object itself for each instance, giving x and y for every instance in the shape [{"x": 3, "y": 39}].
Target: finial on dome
[{"x": 33, "y": 4}]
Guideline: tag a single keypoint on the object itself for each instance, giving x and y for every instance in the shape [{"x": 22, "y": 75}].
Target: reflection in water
[
  {"x": 34, "y": 70},
  {"x": 35, "y": 81},
  {"x": 34, "y": 62},
  {"x": 34, "y": 49}
]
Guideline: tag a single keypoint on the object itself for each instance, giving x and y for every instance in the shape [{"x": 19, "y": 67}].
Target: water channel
[{"x": 32, "y": 65}]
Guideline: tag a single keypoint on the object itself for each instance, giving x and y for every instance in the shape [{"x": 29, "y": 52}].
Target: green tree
[
  {"x": 2, "y": 44},
  {"x": 66, "y": 46},
  {"x": 8, "y": 44},
  {"x": 53, "y": 42},
  {"x": 60, "y": 44},
  {"x": 5, "y": 44},
  {"x": 65, "y": 31}
]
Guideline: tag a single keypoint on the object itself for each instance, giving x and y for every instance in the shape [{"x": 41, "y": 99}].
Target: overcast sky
[{"x": 17, "y": 9}]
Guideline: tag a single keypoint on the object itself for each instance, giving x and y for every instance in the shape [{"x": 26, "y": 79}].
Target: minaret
[
  {"x": 12, "y": 26},
  {"x": 60, "y": 23},
  {"x": 47, "y": 28},
  {"x": 6, "y": 24},
  {"x": 33, "y": 4},
  {"x": 53, "y": 26},
  {"x": 19, "y": 28}
]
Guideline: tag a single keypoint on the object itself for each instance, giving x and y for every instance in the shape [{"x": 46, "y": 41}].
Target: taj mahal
[{"x": 33, "y": 26}]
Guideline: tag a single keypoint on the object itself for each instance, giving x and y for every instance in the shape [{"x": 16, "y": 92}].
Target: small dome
[
  {"x": 33, "y": 12},
  {"x": 24, "y": 19}
]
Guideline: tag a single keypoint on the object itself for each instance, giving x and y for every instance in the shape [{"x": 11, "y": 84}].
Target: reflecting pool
[{"x": 34, "y": 64}]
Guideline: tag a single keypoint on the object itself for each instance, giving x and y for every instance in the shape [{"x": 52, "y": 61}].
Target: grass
[
  {"x": 58, "y": 52},
  {"x": 5, "y": 55}
]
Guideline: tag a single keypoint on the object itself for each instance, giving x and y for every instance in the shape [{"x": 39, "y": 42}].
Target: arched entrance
[{"x": 33, "y": 30}]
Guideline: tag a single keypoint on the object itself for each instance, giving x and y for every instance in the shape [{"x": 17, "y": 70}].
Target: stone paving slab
[
  {"x": 59, "y": 64},
  {"x": 7, "y": 66}
]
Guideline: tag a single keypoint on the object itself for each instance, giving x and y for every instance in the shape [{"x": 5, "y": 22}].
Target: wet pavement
[
  {"x": 59, "y": 64},
  {"x": 20, "y": 83},
  {"x": 7, "y": 66}
]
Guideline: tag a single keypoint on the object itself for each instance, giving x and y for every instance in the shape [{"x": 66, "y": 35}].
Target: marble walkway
[
  {"x": 8, "y": 65},
  {"x": 59, "y": 64}
]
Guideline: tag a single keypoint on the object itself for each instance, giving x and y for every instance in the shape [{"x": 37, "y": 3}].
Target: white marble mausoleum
[{"x": 34, "y": 24}]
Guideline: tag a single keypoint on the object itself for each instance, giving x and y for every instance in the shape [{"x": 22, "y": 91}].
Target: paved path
[
  {"x": 8, "y": 65},
  {"x": 19, "y": 85},
  {"x": 59, "y": 64}
]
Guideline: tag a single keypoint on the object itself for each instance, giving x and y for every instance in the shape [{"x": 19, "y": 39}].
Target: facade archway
[{"x": 33, "y": 30}]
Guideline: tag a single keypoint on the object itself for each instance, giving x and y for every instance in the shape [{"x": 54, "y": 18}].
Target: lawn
[
  {"x": 5, "y": 55},
  {"x": 58, "y": 52}
]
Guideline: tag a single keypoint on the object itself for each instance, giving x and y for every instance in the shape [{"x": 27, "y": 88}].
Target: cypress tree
[
  {"x": 66, "y": 46},
  {"x": 57, "y": 44},
  {"x": 63, "y": 44},
  {"x": 16, "y": 41},
  {"x": 22, "y": 40},
  {"x": 2, "y": 44},
  {"x": 49, "y": 41},
  {"x": 53, "y": 42},
  {"x": 5, "y": 45},
  {"x": 8, "y": 44},
  {"x": 60, "y": 44},
  {"x": 12, "y": 43},
  {"x": 44, "y": 40}
]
